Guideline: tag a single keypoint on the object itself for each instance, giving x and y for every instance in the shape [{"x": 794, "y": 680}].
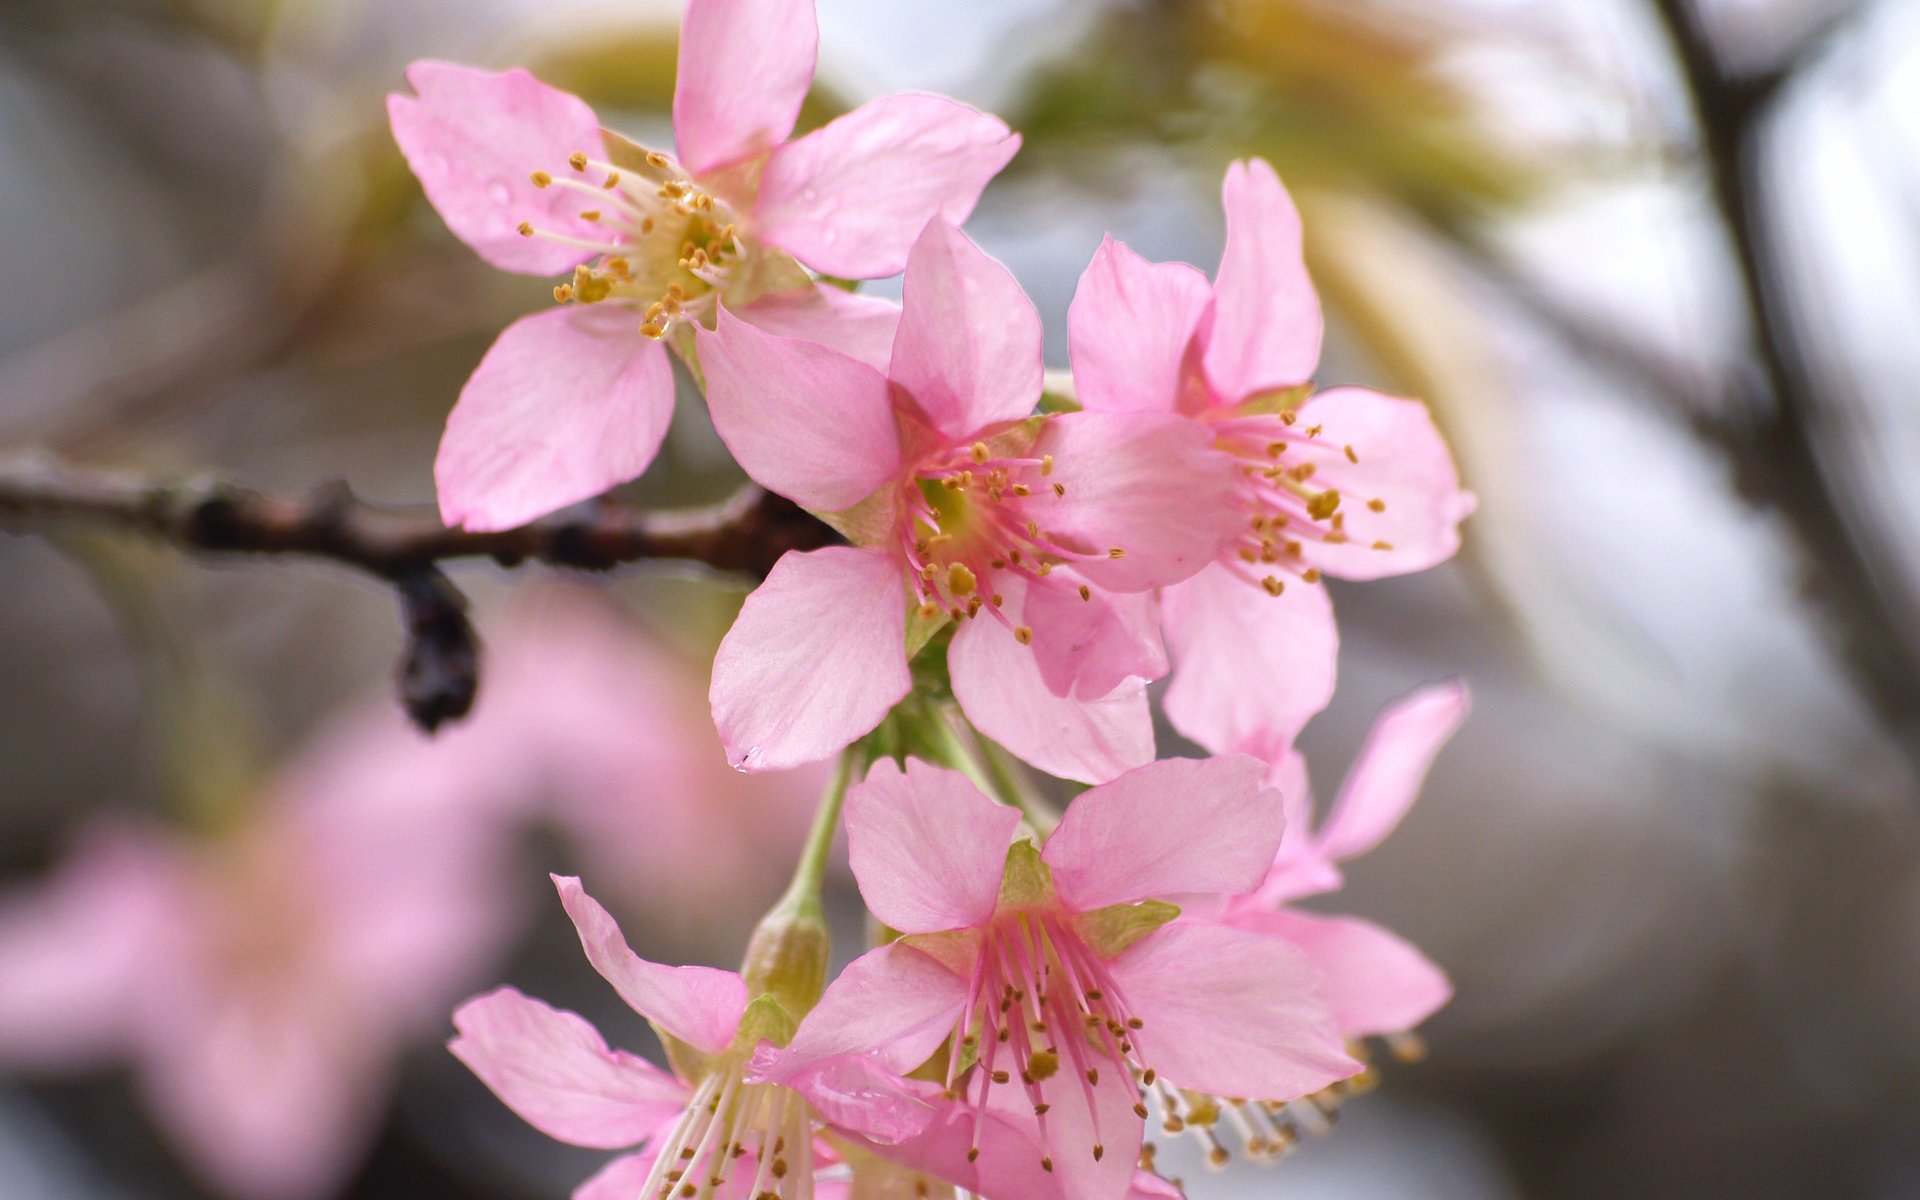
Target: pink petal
[
  {"x": 1230, "y": 1012},
  {"x": 1008, "y": 1164},
  {"x": 474, "y": 139},
  {"x": 1375, "y": 981},
  {"x": 1148, "y": 1186},
  {"x": 1085, "y": 648},
  {"x": 1266, "y": 318},
  {"x": 1081, "y": 1117},
  {"x": 858, "y": 326},
  {"x": 1172, "y": 826},
  {"x": 896, "y": 1003},
  {"x": 1390, "y": 768},
  {"x": 855, "y": 1094},
  {"x": 849, "y": 199},
  {"x": 1249, "y": 669},
  {"x": 556, "y": 1072},
  {"x": 81, "y": 949},
  {"x": 622, "y": 1179},
  {"x": 1301, "y": 868},
  {"x": 803, "y": 420},
  {"x": 567, "y": 403},
  {"x": 1000, "y": 688},
  {"x": 1148, "y": 484},
  {"x": 968, "y": 350},
  {"x": 699, "y": 1005},
  {"x": 926, "y": 847},
  {"x": 1129, "y": 329},
  {"x": 815, "y": 659},
  {"x": 745, "y": 67},
  {"x": 1403, "y": 462}
]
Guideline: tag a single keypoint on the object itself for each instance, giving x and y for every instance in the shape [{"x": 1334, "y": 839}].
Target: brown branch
[
  {"x": 1779, "y": 434},
  {"x": 405, "y": 547}
]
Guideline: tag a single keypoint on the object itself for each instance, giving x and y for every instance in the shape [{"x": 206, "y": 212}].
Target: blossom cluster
[{"x": 1021, "y": 561}]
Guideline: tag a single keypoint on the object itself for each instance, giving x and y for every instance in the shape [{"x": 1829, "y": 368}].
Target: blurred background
[{"x": 1655, "y": 264}]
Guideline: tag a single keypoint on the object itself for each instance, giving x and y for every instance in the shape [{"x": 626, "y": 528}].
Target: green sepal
[
  {"x": 1028, "y": 882},
  {"x": 1278, "y": 400},
  {"x": 766, "y": 1019},
  {"x": 954, "y": 949},
  {"x": 1112, "y": 929},
  {"x": 688, "y": 1063}
]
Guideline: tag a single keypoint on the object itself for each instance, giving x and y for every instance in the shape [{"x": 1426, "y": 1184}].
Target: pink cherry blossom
[
  {"x": 1348, "y": 482},
  {"x": 719, "y": 1126},
  {"x": 262, "y": 981},
  {"x": 574, "y": 400},
  {"x": 1071, "y": 993},
  {"x": 1376, "y": 982},
  {"x": 1036, "y": 538}
]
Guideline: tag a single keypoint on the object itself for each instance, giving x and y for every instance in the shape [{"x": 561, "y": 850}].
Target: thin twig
[
  {"x": 438, "y": 674},
  {"x": 1780, "y": 437},
  {"x": 747, "y": 533}
]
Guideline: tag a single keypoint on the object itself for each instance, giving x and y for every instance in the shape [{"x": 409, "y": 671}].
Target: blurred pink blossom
[
  {"x": 1348, "y": 482},
  {"x": 1039, "y": 538},
  {"x": 261, "y": 980},
  {"x": 571, "y": 401}
]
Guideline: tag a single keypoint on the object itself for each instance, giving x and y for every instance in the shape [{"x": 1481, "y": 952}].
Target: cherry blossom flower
[
  {"x": 1348, "y": 482},
  {"x": 1062, "y": 982},
  {"x": 714, "y": 1127},
  {"x": 1376, "y": 982},
  {"x": 261, "y": 981},
  {"x": 571, "y": 401},
  {"x": 1037, "y": 538}
]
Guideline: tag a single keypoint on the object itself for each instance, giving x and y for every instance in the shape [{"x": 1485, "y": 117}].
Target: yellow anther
[
  {"x": 1377, "y": 505},
  {"x": 960, "y": 580},
  {"x": 1322, "y": 506},
  {"x": 1249, "y": 554},
  {"x": 1383, "y": 545},
  {"x": 1289, "y": 417},
  {"x": 1023, "y": 634},
  {"x": 1273, "y": 585},
  {"x": 1046, "y": 464},
  {"x": 979, "y": 452},
  {"x": 541, "y": 179},
  {"x": 1117, "y": 552},
  {"x": 1059, "y": 489},
  {"x": 525, "y": 228},
  {"x": 929, "y": 611},
  {"x": 996, "y": 600},
  {"x": 656, "y": 160},
  {"x": 563, "y": 292},
  {"x": 1351, "y": 456},
  {"x": 1311, "y": 574},
  {"x": 1021, "y": 489},
  {"x": 592, "y": 214},
  {"x": 577, "y": 160},
  {"x": 611, "y": 181},
  {"x": 1086, "y": 593},
  {"x": 1276, "y": 449},
  {"x": 1315, "y": 430}
]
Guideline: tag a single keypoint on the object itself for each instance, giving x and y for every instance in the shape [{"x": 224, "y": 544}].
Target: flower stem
[
  {"x": 989, "y": 773},
  {"x": 787, "y": 956},
  {"x": 803, "y": 894}
]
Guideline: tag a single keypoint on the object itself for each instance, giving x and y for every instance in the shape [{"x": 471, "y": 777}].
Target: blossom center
[
  {"x": 736, "y": 1139},
  {"x": 669, "y": 246},
  {"x": 1287, "y": 510},
  {"x": 975, "y": 516},
  {"x": 1043, "y": 1010}
]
